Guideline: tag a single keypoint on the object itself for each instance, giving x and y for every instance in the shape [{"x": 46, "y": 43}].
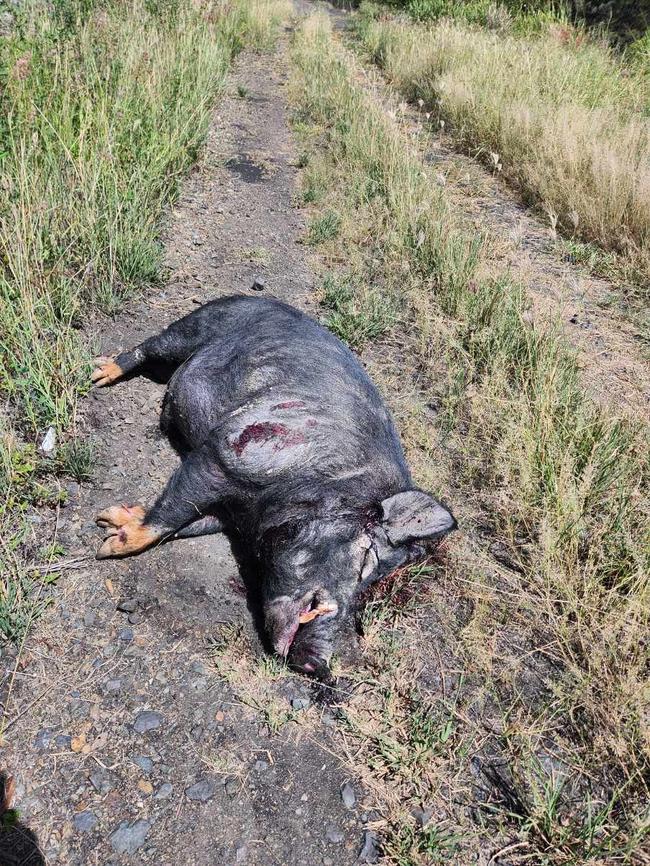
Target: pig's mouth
[{"x": 317, "y": 607}]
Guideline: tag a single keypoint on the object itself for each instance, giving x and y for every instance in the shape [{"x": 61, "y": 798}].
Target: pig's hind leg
[
  {"x": 160, "y": 355},
  {"x": 195, "y": 488}
]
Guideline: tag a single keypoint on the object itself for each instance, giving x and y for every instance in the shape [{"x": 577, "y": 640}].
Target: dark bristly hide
[{"x": 287, "y": 447}]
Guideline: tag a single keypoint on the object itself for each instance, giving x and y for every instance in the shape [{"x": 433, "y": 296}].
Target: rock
[
  {"x": 145, "y": 764},
  {"x": 299, "y": 704},
  {"x": 100, "y": 782},
  {"x": 43, "y": 739},
  {"x": 128, "y": 605},
  {"x": 135, "y": 618},
  {"x": 232, "y": 788},
  {"x": 129, "y": 837},
  {"x": 348, "y": 796},
  {"x": 164, "y": 792},
  {"x": 202, "y": 791},
  {"x": 334, "y": 835},
  {"x": 370, "y": 849},
  {"x": 85, "y": 821},
  {"x": 64, "y": 741},
  {"x": 126, "y": 634},
  {"x": 258, "y": 284},
  {"x": 260, "y": 766},
  {"x": 113, "y": 685},
  {"x": 147, "y": 720},
  {"x": 145, "y": 786},
  {"x": 48, "y": 444},
  {"x": 422, "y": 816}
]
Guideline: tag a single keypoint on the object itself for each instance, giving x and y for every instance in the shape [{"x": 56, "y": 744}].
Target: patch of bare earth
[{"x": 143, "y": 721}]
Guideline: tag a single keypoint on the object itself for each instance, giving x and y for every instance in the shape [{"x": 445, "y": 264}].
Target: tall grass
[
  {"x": 103, "y": 107},
  {"x": 558, "y": 480},
  {"x": 559, "y": 114}
]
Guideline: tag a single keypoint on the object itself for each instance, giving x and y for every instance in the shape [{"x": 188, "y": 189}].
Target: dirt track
[
  {"x": 272, "y": 799},
  {"x": 128, "y": 745}
]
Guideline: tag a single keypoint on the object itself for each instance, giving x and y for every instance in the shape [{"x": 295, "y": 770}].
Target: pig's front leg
[{"x": 196, "y": 487}]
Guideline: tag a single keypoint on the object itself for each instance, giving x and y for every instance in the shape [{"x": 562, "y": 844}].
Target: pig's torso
[{"x": 284, "y": 404}]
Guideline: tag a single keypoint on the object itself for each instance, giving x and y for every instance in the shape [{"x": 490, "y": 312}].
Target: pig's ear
[{"x": 412, "y": 515}]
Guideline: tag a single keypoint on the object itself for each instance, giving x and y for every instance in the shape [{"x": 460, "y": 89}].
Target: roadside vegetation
[
  {"x": 550, "y": 105},
  {"x": 103, "y": 107},
  {"x": 503, "y": 717}
]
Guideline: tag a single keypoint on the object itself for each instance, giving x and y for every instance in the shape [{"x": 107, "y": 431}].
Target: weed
[
  {"x": 560, "y": 482},
  {"x": 242, "y": 91},
  {"x": 356, "y": 315},
  {"x": 324, "y": 228},
  {"x": 103, "y": 107},
  {"x": 566, "y": 120}
]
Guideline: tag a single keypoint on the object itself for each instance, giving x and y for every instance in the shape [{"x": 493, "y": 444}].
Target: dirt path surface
[{"x": 127, "y": 743}]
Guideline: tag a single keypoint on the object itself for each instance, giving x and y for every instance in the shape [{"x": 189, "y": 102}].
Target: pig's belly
[{"x": 275, "y": 437}]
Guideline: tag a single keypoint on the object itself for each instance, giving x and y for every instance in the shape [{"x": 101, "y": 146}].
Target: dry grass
[
  {"x": 103, "y": 107},
  {"x": 559, "y": 114},
  {"x": 545, "y": 605}
]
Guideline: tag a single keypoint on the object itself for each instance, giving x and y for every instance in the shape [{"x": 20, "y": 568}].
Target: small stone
[
  {"x": 370, "y": 849},
  {"x": 260, "y": 766},
  {"x": 126, "y": 634},
  {"x": 232, "y": 788},
  {"x": 147, "y": 720},
  {"x": 85, "y": 821},
  {"x": 43, "y": 739},
  {"x": 145, "y": 764},
  {"x": 348, "y": 796},
  {"x": 64, "y": 741},
  {"x": 201, "y": 791},
  {"x": 164, "y": 792},
  {"x": 145, "y": 786},
  {"x": 129, "y": 837},
  {"x": 135, "y": 618},
  {"x": 113, "y": 685},
  {"x": 334, "y": 835},
  {"x": 422, "y": 816},
  {"x": 100, "y": 782},
  {"x": 299, "y": 704},
  {"x": 258, "y": 284},
  {"x": 48, "y": 444},
  {"x": 128, "y": 605}
]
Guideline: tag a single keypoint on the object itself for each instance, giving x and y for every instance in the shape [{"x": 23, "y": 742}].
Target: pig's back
[{"x": 278, "y": 394}]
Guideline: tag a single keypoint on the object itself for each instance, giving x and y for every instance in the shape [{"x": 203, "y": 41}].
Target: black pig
[{"x": 286, "y": 446}]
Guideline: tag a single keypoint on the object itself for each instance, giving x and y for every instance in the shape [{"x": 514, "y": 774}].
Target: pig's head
[{"x": 315, "y": 570}]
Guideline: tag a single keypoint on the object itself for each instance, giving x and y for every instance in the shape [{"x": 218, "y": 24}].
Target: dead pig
[{"x": 286, "y": 445}]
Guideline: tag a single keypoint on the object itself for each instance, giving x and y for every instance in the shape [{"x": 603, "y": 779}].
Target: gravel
[
  {"x": 85, "y": 821},
  {"x": 348, "y": 796},
  {"x": 129, "y": 837},
  {"x": 201, "y": 791},
  {"x": 147, "y": 720}
]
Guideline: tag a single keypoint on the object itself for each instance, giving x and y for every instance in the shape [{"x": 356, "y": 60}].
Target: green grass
[
  {"x": 559, "y": 111},
  {"x": 103, "y": 108},
  {"x": 532, "y": 464},
  {"x": 355, "y": 316}
]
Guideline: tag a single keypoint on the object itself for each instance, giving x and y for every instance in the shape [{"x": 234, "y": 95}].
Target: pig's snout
[
  {"x": 301, "y": 629},
  {"x": 312, "y": 648}
]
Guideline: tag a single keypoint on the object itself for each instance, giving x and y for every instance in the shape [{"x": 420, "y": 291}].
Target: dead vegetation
[
  {"x": 555, "y": 110},
  {"x": 544, "y": 605}
]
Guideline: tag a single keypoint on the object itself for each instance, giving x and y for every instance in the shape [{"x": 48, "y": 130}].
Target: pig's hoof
[
  {"x": 107, "y": 372},
  {"x": 118, "y": 515},
  {"x": 130, "y": 538}
]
